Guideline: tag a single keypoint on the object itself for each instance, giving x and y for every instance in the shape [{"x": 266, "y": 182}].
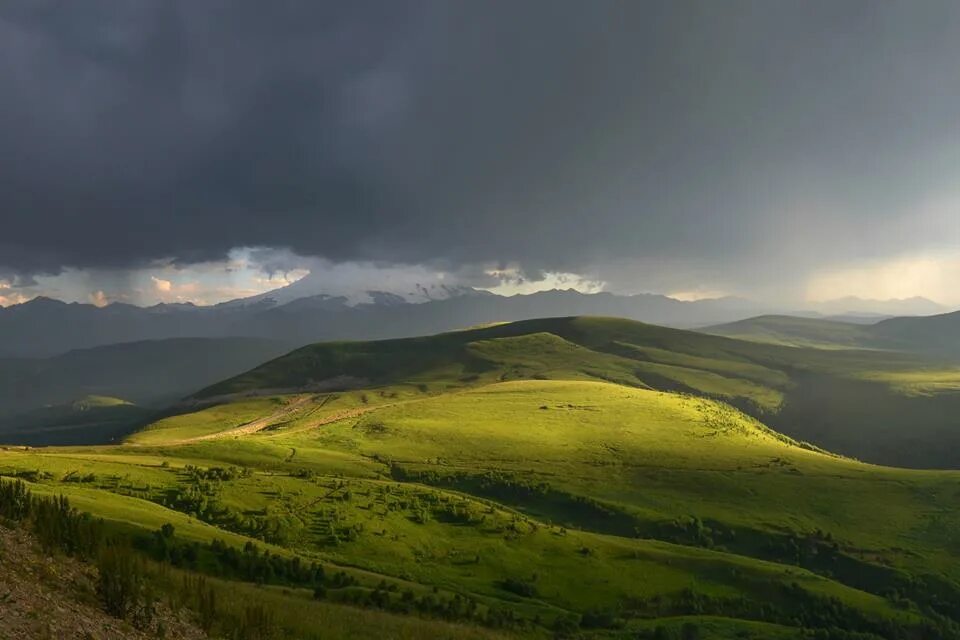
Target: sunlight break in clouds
[
  {"x": 161, "y": 285},
  {"x": 513, "y": 282},
  {"x": 9, "y": 296},
  {"x": 99, "y": 298},
  {"x": 239, "y": 275},
  {"x": 696, "y": 294},
  {"x": 933, "y": 276},
  {"x": 213, "y": 282}
]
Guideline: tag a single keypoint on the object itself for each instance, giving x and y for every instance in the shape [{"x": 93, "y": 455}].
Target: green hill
[
  {"x": 591, "y": 347},
  {"x": 562, "y": 477},
  {"x": 880, "y": 406},
  {"x": 801, "y": 332},
  {"x": 550, "y": 499},
  {"x": 937, "y": 335}
]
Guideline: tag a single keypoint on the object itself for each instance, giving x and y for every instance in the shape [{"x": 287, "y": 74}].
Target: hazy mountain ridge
[
  {"x": 46, "y": 327},
  {"x": 856, "y": 306},
  {"x": 936, "y": 335}
]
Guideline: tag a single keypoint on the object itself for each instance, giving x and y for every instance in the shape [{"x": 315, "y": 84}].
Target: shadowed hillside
[
  {"x": 937, "y": 335},
  {"x": 801, "y": 332},
  {"x": 61, "y": 399}
]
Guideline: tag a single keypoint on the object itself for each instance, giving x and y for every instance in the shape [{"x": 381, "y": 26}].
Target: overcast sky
[{"x": 784, "y": 150}]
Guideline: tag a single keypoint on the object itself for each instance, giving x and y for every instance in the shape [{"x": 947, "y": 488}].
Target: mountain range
[
  {"x": 45, "y": 327},
  {"x": 54, "y": 355}
]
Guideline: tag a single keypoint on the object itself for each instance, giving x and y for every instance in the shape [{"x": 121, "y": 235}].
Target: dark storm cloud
[{"x": 550, "y": 134}]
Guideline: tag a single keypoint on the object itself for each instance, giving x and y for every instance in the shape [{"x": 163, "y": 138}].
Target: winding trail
[
  {"x": 254, "y": 425},
  {"x": 260, "y": 424}
]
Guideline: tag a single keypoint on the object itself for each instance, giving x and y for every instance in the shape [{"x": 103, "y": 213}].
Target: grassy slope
[
  {"x": 650, "y": 453},
  {"x": 475, "y": 457},
  {"x": 653, "y": 456}
]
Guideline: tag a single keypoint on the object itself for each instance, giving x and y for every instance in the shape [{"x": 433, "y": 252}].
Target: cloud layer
[{"x": 550, "y": 136}]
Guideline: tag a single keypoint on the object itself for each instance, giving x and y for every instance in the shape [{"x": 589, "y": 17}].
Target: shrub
[
  {"x": 121, "y": 586},
  {"x": 520, "y": 587}
]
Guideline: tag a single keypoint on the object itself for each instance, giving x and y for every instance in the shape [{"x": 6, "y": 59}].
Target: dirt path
[
  {"x": 336, "y": 417},
  {"x": 265, "y": 422},
  {"x": 254, "y": 425}
]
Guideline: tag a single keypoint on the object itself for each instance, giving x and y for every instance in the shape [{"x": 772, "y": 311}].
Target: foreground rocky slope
[{"x": 55, "y": 597}]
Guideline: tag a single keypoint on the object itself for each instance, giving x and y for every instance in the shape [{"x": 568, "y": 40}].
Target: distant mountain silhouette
[
  {"x": 45, "y": 327},
  {"x": 854, "y": 306}
]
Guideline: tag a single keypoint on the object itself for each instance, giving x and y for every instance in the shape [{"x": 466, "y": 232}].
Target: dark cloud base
[{"x": 548, "y": 134}]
